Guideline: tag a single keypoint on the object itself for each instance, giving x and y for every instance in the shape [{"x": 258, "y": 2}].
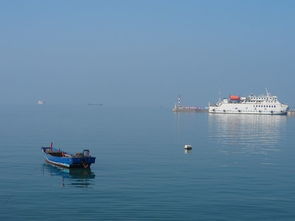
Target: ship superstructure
[{"x": 263, "y": 104}]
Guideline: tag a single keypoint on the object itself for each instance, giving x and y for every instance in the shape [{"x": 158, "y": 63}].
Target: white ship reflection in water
[
  {"x": 77, "y": 177},
  {"x": 256, "y": 134}
]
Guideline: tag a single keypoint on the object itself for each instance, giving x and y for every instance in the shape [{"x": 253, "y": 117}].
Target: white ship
[{"x": 264, "y": 104}]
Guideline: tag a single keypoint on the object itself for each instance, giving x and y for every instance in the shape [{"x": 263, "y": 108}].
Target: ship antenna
[
  {"x": 267, "y": 93},
  {"x": 219, "y": 96}
]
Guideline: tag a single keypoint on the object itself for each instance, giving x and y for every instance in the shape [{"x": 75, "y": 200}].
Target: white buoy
[{"x": 188, "y": 147}]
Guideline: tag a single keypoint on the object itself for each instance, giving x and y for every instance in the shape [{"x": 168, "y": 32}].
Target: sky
[{"x": 145, "y": 53}]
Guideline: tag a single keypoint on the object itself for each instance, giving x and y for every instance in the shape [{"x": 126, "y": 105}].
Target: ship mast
[{"x": 267, "y": 93}]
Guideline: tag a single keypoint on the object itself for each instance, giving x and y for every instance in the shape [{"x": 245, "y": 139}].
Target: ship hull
[
  {"x": 246, "y": 109},
  {"x": 247, "y": 112}
]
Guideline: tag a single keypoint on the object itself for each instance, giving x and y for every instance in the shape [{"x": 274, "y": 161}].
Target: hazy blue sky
[{"x": 145, "y": 52}]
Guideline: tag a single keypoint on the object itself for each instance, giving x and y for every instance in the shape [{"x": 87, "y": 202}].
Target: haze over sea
[
  {"x": 240, "y": 167},
  {"x": 135, "y": 57},
  {"x": 145, "y": 53}
]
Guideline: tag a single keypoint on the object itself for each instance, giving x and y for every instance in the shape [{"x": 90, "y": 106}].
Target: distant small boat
[
  {"x": 188, "y": 147},
  {"x": 94, "y": 104},
  {"x": 60, "y": 158},
  {"x": 40, "y": 102}
]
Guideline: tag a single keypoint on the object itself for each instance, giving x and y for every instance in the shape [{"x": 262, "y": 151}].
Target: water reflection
[
  {"x": 254, "y": 133},
  {"x": 187, "y": 151},
  {"x": 75, "y": 177}
]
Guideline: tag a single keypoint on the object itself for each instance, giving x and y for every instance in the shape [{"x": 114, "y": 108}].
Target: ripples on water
[{"x": 249, "y": 133}]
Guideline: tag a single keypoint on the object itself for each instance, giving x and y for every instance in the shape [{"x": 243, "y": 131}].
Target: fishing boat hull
[{"x": 66, "y": 160}]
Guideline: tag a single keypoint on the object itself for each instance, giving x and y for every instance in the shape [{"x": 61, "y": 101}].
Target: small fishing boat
[{"x": 60, "y": 158}]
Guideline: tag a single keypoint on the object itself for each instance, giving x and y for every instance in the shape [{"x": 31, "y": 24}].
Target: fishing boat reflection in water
[{"x": 78, "y": 177}]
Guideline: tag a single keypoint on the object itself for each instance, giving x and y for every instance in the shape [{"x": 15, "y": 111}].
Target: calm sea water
[{"x": 241, "y": 167}]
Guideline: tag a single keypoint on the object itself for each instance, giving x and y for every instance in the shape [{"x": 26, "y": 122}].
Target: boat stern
[{"x": 82, "y": 162}]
